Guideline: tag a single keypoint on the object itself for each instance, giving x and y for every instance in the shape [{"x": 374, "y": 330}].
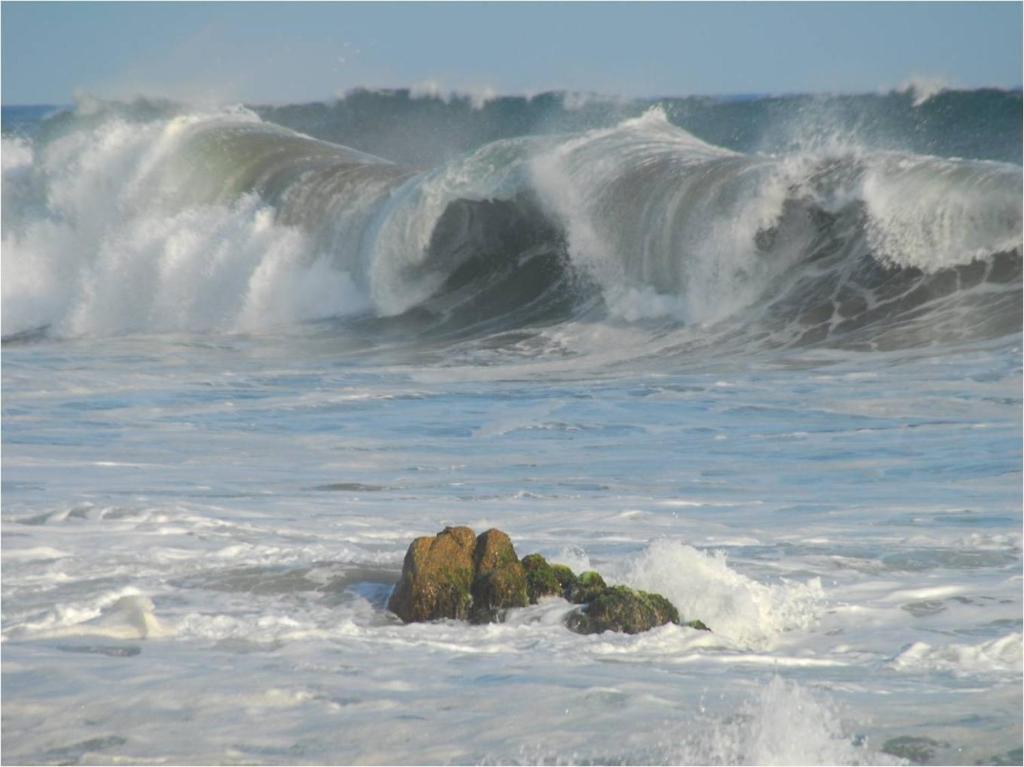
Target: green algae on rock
[
  {"x": 619, "y": 608},
  {"x": 541, "y": 579},
  {"x": 588, "y": 586},
  {"x": 566, "y": 579}
]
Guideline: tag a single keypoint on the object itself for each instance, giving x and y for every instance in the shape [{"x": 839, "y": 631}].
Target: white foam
[
  {"x": 123, "y": 614},
  {"x": 429, "y": 89},
  {"x": 663, "y": 221},
  {"x": 276, "y": 697},
  {"x": 15, "y": 154},
  {"x": 923, "y": 88},
  {"x": 931, "y": 213},
  {"x": 108, "y": 252},
  {"x": 644, "y": 303},
  {"x": 573, "y": 101},
  {"x": 573, "y": 557},
  {"x": 702, "y": 586},
  {"x": 782, "y": 723},
  {"x": 34, "y": 554},
  {"x": 1000, "y": 655},
  {"x": 478, "y": 96}
]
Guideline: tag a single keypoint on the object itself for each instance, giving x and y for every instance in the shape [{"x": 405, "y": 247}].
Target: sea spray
[
  {"x": 221, "y": 222},
  {"x": 749, "y": 613}
]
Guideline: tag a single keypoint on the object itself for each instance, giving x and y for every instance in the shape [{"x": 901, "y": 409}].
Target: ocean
[{"x": 759, "y": 355}]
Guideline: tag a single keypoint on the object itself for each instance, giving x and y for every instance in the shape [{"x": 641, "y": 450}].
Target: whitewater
[{"x": 760, "y": 356}]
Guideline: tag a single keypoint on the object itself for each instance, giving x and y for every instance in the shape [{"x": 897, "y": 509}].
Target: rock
[
  {"x": 541, "y": 579},
  {"x": 499, "y": 579},
  {"x": 622, "y": 609},
  {"x": 437, "y": 577},
  {"x": 566, "y": 579},
  {"x": 456, "y": 574},
  {"x": 587, "y": 587},
  {"x": 494, "y": 549},
  {"x": 496, "y": 591}
]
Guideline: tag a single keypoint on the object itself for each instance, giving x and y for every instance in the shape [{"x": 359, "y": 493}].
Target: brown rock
[
  {"x": 499, "y": 578},
  {"x": 437, "y": 577},
  {"x": 455, "y": 574},
  {"x": 494, "y": 549}
]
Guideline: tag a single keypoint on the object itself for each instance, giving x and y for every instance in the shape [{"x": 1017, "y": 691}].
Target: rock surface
[
  {"x": 618, "y": 608},
  {"x": 566, "y": 579},
  {"x": 587, "y": 588},
  {"x": 541, "y": 580},
  {"x": 437, "y": 576},
  {"x": 457, "y": 574},
  {"x": 499, "y": 579}
]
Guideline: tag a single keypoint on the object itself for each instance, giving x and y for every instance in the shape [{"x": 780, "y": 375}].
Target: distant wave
[
  {"x": 151, "y": 218},
  {"x": 423, "y": 127}
]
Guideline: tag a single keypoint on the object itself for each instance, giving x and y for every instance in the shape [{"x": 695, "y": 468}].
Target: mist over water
[{"x": 761, "y": 356}]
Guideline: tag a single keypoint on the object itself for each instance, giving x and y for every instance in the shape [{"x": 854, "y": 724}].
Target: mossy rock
[
  {"x": 494, "y": 549},
  {"x": 566, "y": 579},
  {"x": 437, "y": 576},
  {"x": 497, "y": 591},
  {"x": 541, "y": 580},
  {"x": 622, "y": 609},
  {"x": 588, "y": 586},
  {"x": 499, "y": 580},
  {"x": 698, "y": 624},
  {"x": 456, "y": 574}
]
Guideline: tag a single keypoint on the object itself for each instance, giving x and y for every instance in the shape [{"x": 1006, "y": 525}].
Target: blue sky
[{"x": 289, "y": 52}]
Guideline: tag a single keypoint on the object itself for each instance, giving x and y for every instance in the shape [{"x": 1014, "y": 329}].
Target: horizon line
[{"x": 411, "y": 90}]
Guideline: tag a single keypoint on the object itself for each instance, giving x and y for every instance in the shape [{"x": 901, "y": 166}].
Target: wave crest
[{"x": 219, "y": 221}]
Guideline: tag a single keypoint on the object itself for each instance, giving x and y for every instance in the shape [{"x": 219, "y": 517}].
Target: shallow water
[{"x": 200, "y": 534}]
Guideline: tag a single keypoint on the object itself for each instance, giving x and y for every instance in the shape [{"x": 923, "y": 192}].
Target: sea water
[{"x": 203, "y": 519}]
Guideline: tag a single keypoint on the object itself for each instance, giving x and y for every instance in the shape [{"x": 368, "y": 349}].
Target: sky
[{"x": 295, "y": 52}]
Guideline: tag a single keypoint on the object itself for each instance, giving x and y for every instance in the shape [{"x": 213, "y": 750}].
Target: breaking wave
[
  {"x": 119, "y": 220},
  {"x": 749, "y": 613}
]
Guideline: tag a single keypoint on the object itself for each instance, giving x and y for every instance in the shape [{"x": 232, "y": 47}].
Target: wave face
[{"x": 148, "y": 217}]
